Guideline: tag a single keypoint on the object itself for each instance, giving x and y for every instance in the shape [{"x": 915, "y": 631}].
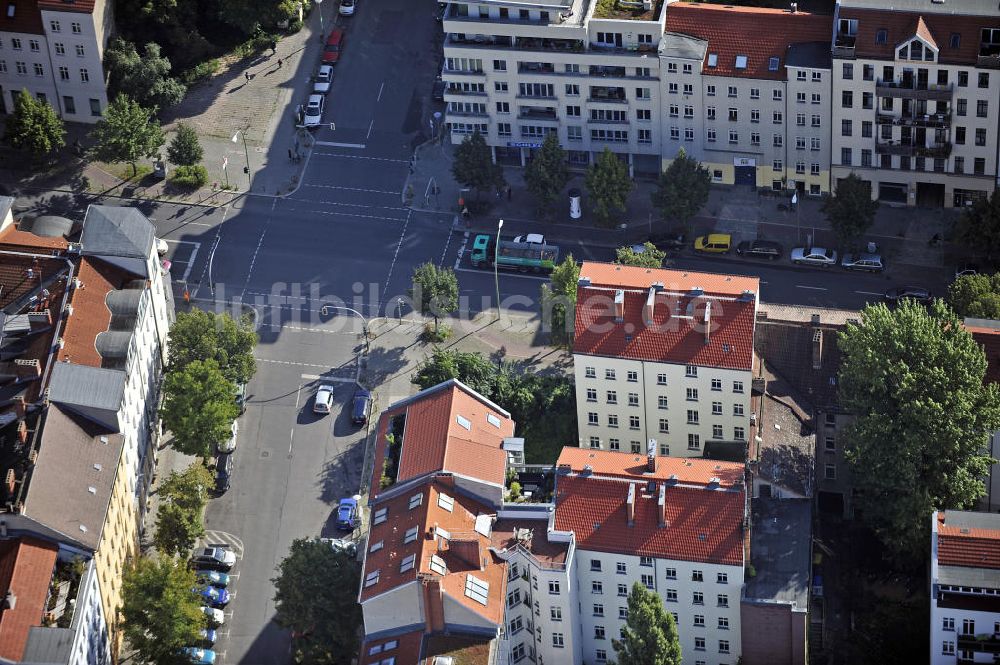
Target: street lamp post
[
  {"x": 319, "y": 7},
  {"x": 364, "y": 322},
  {"x": 246, "y": 151},
  {"x": 496, "y": 274}
]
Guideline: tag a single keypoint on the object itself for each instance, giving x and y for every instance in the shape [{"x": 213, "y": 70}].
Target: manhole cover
[{"x": 265, "y": 453}]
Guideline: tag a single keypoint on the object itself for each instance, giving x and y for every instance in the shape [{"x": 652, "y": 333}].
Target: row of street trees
[{"x": 681, "y": 191}]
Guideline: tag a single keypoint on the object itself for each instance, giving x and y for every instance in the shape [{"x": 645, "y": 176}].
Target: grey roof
[
  {"x": 124, "y": 302},
  {"x": 6, "y": 205},
  {"x": 982, "y": 323},
  {"x": 787, "y": 348},
  {"x": 814, "y": 55},
  {"x": 977, "y": 7},
  {"x": 786, "y": 455},
  {"x": 48, "y": 646},
  {"x": 780, "y": 551},
  {"x": 116, "y": 231},
  {"x": 964, "y": 576},
  {"x": 967, "y": 519},
  {"x": 113, "y": 343},
  {"x": 87, "y": 387},
  {"x": 676, "y": 45},
  {"x": 49, "y": 226},
  {"x": 73, "y": 478}
]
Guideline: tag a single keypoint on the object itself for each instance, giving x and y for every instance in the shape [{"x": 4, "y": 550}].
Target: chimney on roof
[
  {"x": 433, "y": 606},
  {"x": 9, "y": 601},
  {"x": 708, "y": 321},
  {"x": 619, "y": 305},
  {"x": 26, "y": 368},
  {"x": 630, "y": 504},
  {"x": 661, "y": 505},
  {"x": 651, "y": 456},
  {"x": 22, "y": 432},
  {"x": 20, "y": 407},
  {"x": 795, "y": 7},
  {"x": 647, "y": 310},
  {"x": 817, "y": 348},
  {"x": 9, "y": 481}
]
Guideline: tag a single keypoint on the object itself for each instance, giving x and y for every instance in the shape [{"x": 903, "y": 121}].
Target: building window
[
  {"x": 503, "y": 129},
  {"x": 84, "y": 75},
  {"x": 710, "y": 136},
  {"x": 694, "y": 442},
  {"x": 776, "y": 95},
  {"x": 633, "y": 422},
  {"x": 664, "y": 426},
  {"x": 646, "y": 561},
  {"x": 699, "y": 644},
  {"x": 621, "y": 568},
  {"x": 79, "y": 50},
  {"x": 633, "y": 376},
  {"x": 754, "y": 93},
  {"x": 982, "y": 108},
  {"x": 692, "y": 394},
  {"x": 830, "y": 444},
  {"x": 21, "y": 67},
  {"x": 622, "y": 593},
  {"x": 591, "y": 394},
  {"x": 95, "y": 107},
  {"x": 592, "y": 418},
  {"x": 633, "y": 399},
  {"x": 948, "y": 648},
  {"x": 815, "y": 98},
  {"x": 671, "y": 595},
  {"x": 596, "y": 587},
  {"x": 698, "y": 598},
  {"x": 968, "y": 626},
  {"x": 778, "y": 140},
  {"x": 723, "y": 646},
  {"x": 984, "y": 80},
  {"x": 739, "y": 433},
  {"x": 846, "y": 128},
  {"x": 598, "y": 610},
  {"x": 671, "y": 573},
  {"x": 648, "y": 582},
  {"x": 64, "y": 73},
  {"x": 69, "y": 104},
  {"x": 800, "y": 97},
  {"x": 716, "y": 408},
  {"x": 830, "y": 471},
  {"x": 697, "y": 576},
  {"x": 716, "y": 431},
  {"x": 612, "y": 420},
  {"x": 590, "y": 372},
  {"x": 732, "y": 91},
  {"x": 635, "y": 446},
  {"x": 614, "y": 444},
  {"x": 557, "y": 640},
  {"x": 612, "y": 397},
  {"x": 661, "y": 401},
  {"x": 692, "y": 417},
  {"x": 699, "y": 620},
  {"x": 595, "y": 442},
  {"x": 979, "y": 166},
  {"x": 609, "y": 375},
  {"x": 948, "y": 623},
  {"x": 554, "y": 587},
  {"x": 737, "y": 409},
  {"x": 848, "y": 71},
  {"x": 691, "y": 371},
  {"x": 717, "y": 383},
  {"x": 710, "y": 90},
  {"x": 737, "y": 386}
]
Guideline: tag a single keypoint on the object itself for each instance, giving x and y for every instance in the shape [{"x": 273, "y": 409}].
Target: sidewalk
[
  {"x": 167, "y": 460},
  {"x": 902, "y": 233},
  {"x": 216, "y": 109}
]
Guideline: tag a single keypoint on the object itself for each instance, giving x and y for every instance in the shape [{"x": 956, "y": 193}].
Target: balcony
[
  {"x": 537, "y": 113},
  {"x": 508, "y": 43},
  {"x": 536, "y": 68},
  {"x": 980, "y": 643},
  {"x": 843, "y": 47},
  {"x": 915, "y": 120},
  {"x": 934, "y": 150},
  {"x": 989, "y": 56},
  {"x": 607, "y": 70},
  {"x": 913, "y": 90},
  {"x": 606, "y": 94}
]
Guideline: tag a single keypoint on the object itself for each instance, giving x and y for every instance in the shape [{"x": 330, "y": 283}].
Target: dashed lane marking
[
  {"x": 288, "y": 362},
  {"x": 336, "y": 144},
  {"x": 324, "y": 377},
  {"x": 354, "y": 189},
  {"x": 374, "y": 159},
  {"x": 395, "y": 255},
  {"x": 869, "y": 293},
  {"x": 811, "y": 288},
  {"x": 505, "y": 273},
  {"x": 352, "y": 215},
  {"x": 357, "y": 205}
]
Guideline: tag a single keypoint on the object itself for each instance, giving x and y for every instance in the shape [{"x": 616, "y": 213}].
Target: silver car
[
  {"x": 323, "y": 80},
  {"x": 864, "y": 262},
  {"x": 814, "y": 256},
  {"x": 314, "y": 111}
]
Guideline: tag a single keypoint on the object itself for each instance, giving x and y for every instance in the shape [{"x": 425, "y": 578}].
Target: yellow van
[{"x": 714, "y": 243}]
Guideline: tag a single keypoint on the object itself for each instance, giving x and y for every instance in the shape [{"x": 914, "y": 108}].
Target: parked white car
[
  {"x": 347, "y": 7},
  {"x": 532, "y": 238},
  {"x": 324, "y": 399},
  {"x": 324, "y": 79},
  {"x": 314, "y": 111},
  {"x": 814, "y": 256}
]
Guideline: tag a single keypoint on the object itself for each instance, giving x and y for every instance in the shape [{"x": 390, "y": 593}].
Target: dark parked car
[
  {"x": 760, "y": 249},
  {"x": 360, "y": 406},
  {"x": 671, "y": 241},
  {"x": 223, "y": 472},
  {"x": 918, "y": 293},
  {"x": 214, "y": 558}
]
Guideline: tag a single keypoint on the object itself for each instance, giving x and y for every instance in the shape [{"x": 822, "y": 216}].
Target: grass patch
[
  {"x": 435, "y": 335},
  {"x": 124, "y": 171}
]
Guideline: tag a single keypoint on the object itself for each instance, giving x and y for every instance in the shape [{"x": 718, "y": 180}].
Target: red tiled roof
[
  {"x": 25, "y": 570},
  {"x": 27, "y": 19},
  {"x": 433, "y": 439},
  {"x": 11, "y": 238},
  {"x": 758, "y": 33},
  {"x": 677, "y": 334},
  {"x": 989, "y": 339},
  {"x": 91, "y": 315},
  {"x": 81, "y": 6},
  {"x": 701, "y": 524},
  {"x": 690, "y": 470},
  {"x": 969, "y": 547},
  {"x": 902, "y": 25},
  {"x": 406, "y": 651},
  {"x": 460, "y": 522},
  {"x": 418, "y": 648}
]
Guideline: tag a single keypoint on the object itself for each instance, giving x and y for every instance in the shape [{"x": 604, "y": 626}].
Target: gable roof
[
  {"x": 87, "y": 387},
  {"x": 435, "y": 437},
  {"x": 116, "y": 231},
  {"x": 677, "y": 333},
  {"x": 703, "y": 519},
  {"x": 987, "y": 335},
  {"x": 81, "y": 6},
  {"x": 757, "y": 33},
  {"x": 91, "y": 317},
  {"x": 26, "y": 566},
  {"x": 934, "y": 28},
  {"x": 968, "y": 539}
]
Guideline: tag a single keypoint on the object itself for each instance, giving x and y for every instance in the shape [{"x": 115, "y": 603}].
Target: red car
[{"x": 334, "y": 45}]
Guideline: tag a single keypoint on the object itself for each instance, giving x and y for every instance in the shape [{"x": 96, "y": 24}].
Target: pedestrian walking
[
  {"x": 279, "y": 63},
  {"x": 509, "y": 191},
  {"x": 247, "y": 74},
  {"x": 290, "y": 156}
]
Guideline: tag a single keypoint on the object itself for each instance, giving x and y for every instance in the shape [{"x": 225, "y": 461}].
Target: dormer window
[
  {"x": 882, "y": 36},
  {"x": 955, "y": 41},
  {"x": 713, "y": 59},
  {"x": 772, "y": 64},
  {"x": 741, "y": 62}
]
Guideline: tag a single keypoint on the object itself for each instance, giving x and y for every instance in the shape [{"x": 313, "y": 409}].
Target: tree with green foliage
[
  {"x": 199, "y": 406},
  {"x": 608, "y": 185},
  {"x": 184, "y": 148},
  {"x": 144, "y": 77},
  {"x": 316, "y": 597},
  {"x": 474, "y": 167},
  {"x": 682, "y": 190},
  {"x": 34, "y": 127},
  {"x": 159, "y": 613},
  {"x": 979, "y": 228},
  {"x": 913, "y": 376},
  {"x": 851, "y": 210},
  {"x": 201, "y": 335},
  {"x": 649, "y": 257},
  {"x": 976, "y": 296},
  {"x": 649, "y": 636},
  {"x": 559, "y": 302},
  {"x": 179, "y": 517},
  {"x": 434, "y": 291},
  {"x": 126, "y": 133},
  {"x": 547, "y": 173},
  {"x": 178, "y": 27},
  {"x": 542, "y": 404},
  {"x": 250, "y": 16}
]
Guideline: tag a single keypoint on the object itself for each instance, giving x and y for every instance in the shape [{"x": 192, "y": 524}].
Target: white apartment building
[
  {"x": 746, "y": 91},
  {"x": 664, "y": 356},
  {"x": 965, "y": 587},
  {"x": 54, "y": 49},
  {"x": 519, "y": 70},
  {"x": 675, "y": 526},
  {"x": 916, "y": 99}
]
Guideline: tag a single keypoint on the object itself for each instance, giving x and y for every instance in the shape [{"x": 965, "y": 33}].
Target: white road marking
[
  {"x": 869, "y": 293},
  {"x": 813, "y": 288},
  {"x": 253, "y": 259},
  {"x": 321, "y": 377},
  {"x": 395, "y": 255},
  {"x": 181, "y": 242},
  {"x": 354, "y": 189},
  {"x": 370, "y": 125},
  {"x": 291, "y": 437},
  {"x": 461, "y": 252},
  {"x": 380, "y": 89},
  {"x": 288, "y": 362},
  {"x": 218, "y": 237},
  {"x": 333, "y": 213},
  {"x": 356, "y": 205},
  {"x": 337, "y": 144},
  {"x": 503, "y": 272},
  {"x": 374, "y": 159},
  {"x": 190, "y": 263}
]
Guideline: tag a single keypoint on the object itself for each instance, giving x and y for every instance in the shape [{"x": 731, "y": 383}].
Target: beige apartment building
[
  {"x": 747, "y": 92},
  {"x": 916, "y": 99},
  {"x": 662, "y": 359},
  {"x": 517, "y": 71},
  {"x": 54, "y": 49}
]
